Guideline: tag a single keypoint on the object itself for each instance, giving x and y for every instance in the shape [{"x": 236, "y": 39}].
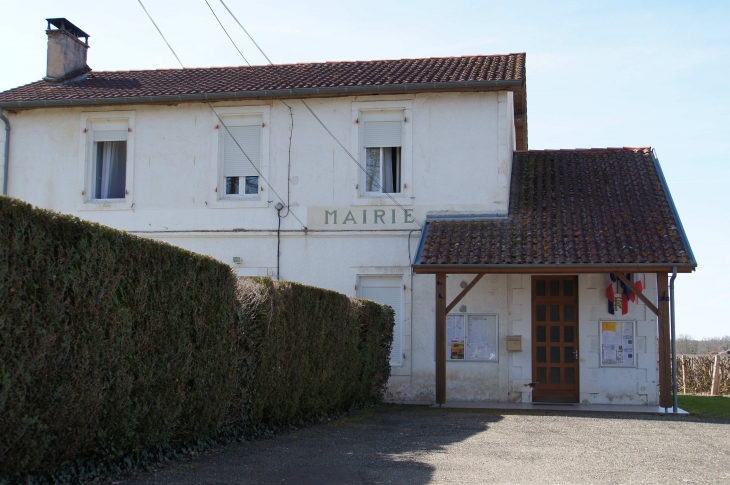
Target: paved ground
[{"x": 417, "y": 445}]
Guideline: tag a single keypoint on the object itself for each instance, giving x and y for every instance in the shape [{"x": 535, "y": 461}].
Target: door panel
[{"x": 555, "y": 338}]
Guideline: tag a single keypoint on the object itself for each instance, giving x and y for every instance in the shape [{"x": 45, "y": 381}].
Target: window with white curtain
[
  {"x": 241, "y": 156},
  {"x": 382, "y": 137},
  {"x": 109, "y": 160}
]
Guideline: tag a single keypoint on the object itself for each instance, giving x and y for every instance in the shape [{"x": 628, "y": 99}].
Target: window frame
[
  {"x": 218, "y": 199},
  {"x": 360, "y": 196},
  {"x": 87, "y": 166}
]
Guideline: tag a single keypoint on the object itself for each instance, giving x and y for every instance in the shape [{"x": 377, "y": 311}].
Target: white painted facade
[{"x": 456, "y": 157}]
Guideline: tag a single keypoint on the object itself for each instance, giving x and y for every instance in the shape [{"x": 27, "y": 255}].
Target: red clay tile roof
[
  {"x": 570, "y": 207},
  {"x": 358, "y": 76}
]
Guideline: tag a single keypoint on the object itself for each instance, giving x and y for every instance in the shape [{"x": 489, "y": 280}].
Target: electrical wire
[
  {"x": 281, "y": 199},
  {"x": 291, "y": 115},
  {"x": 246, "y": 31},
  {"x": 161, "y": 35},
  {"x": 371, "y": 177},
  {"x": 224, "y": 30},
  {"x": 288, "y": 168},
  {"x": 278, "y": 245}
]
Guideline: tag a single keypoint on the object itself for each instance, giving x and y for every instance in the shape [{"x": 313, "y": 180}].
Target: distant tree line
[{"x": 690, "y": 346}]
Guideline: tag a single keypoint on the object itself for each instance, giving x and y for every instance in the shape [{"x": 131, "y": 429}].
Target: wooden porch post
[
  {"x": 440, "y": 338},
  {"x": 665, "y": 352}
]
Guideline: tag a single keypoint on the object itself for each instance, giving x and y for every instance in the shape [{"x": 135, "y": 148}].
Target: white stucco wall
[
  {"x": 509, "y": 295},
  {"x": 460, "y": 146},
  {"x": 602, "y": 385},
  {"x": 460, "y": 155}
]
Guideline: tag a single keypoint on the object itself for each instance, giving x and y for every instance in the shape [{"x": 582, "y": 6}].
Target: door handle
[{"x": 575, "y": 353}]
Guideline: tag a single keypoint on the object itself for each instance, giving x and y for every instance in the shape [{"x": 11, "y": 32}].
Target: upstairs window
[
  {"x": 382, "y": 136},
  {"x": 241, "y": 156},
  {"x": 109, "y": 166}
]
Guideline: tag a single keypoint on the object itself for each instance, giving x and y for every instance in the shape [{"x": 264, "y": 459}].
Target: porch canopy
[{"x": 570, "y": 211}]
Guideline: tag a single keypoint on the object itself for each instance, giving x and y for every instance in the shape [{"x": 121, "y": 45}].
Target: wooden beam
[
  {"x": 440, "y": 338},
  {"x": 665, "y": 354},
  {"x": 641, "y": 296},
  {"x": 464, "y": 292}
]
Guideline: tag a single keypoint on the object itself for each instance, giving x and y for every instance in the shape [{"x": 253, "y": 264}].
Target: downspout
[
  {"x": 6, "y": 157},
  {"x": 674, "y": 340}
]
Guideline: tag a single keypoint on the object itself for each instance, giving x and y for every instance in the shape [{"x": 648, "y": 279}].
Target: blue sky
[{"x": 598, "y": 74}]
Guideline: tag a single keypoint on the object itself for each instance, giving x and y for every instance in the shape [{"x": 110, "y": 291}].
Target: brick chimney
[{"x": 66, "y": 52}]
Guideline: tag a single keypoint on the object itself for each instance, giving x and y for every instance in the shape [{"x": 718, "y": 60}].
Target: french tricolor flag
[
  {"x": 610, "y": 281},
  {"x": 625, "y": 294},
  {"x": 638, "y": 281}
]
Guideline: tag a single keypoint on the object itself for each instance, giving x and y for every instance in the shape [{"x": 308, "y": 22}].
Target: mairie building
[{"x": 516, "y": 275}]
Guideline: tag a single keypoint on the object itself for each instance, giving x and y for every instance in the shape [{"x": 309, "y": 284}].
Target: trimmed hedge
[
  {"x": 314, "y": 362},
  {"x": 116, "y": 350}
]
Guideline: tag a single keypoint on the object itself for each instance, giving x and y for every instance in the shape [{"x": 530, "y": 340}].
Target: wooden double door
[{"x": 555, "y": 339}]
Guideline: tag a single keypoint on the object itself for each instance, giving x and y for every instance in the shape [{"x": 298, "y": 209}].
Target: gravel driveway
[{"x": 415, "y": 445}]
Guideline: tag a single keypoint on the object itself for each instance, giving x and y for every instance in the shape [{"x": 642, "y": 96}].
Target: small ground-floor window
[{"x": 387, "y": 290}]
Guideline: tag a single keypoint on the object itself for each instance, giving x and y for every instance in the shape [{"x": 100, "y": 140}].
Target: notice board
[
  {"x": 471, "y": 337},
  {"x": 617, "y": 343}
]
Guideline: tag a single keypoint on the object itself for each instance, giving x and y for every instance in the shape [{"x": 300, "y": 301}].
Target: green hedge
[
  {"x": 117, "y": 349},
  {"x": 312, "y": 362}
]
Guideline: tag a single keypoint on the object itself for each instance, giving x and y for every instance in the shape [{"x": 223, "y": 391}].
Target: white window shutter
[
  {"x": 383, "y": 128},
  {"x": 110, "y": 130},
  {"x": 383, "y": 134},
  {"x": 235, "y": 163},
  {"x": 387, "y": 291},
  {"x": 110, "y": 135}
]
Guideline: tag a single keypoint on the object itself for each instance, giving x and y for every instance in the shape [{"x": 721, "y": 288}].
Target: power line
[
  {"x": 161, "y": 35},
  {"x": 281, "y": 199},
  {"x": 249, "y": 35},
  {"x": 371, "y": 177},
  {"x": 224, "y": 30},
  {"x": 288, "y": 209}
]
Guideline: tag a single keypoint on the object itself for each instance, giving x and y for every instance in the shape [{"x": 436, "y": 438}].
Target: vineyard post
[{"x": 716, "y": 377}]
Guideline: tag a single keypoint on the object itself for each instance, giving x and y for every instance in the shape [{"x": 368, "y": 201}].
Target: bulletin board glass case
[
  {"x": 472, "y": 337},
  {"x": 617, "y": 343}
]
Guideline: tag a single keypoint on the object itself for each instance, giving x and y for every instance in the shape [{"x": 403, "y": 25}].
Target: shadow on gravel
[{"x": 378, "y": 445}]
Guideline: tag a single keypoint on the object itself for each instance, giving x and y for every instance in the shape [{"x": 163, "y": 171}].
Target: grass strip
[{"x": 706, "y": 406}]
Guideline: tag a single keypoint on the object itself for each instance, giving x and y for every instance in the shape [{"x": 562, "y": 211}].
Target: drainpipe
[
  {"x": 6, "y": 157},
  {"x": 674, "y": 339}
]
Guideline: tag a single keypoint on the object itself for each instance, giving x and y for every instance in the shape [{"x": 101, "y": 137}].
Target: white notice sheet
[
  {"x": 455, "y": 337},
  {"x": 481, "y": 337},
  {"x": 617, "y": 344}
]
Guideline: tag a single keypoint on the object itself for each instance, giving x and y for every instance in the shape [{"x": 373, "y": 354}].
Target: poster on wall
[
  {"x": 455, "y": 336},
  {"x": 471, "y": 337},
  {"x": 617, "y": 343}
]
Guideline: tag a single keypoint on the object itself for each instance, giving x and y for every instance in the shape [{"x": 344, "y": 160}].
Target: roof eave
[
  {"x": 512, "y": 84},
  {"x": 670, "y": 200},
  {"x": 553, "y": 268}
]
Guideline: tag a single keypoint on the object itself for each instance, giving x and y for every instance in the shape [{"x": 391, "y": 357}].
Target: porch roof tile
[{"x": 569, "y": 208}]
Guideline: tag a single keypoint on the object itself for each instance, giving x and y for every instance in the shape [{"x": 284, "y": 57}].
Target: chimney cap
[{"x": 63, "y": 24}]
